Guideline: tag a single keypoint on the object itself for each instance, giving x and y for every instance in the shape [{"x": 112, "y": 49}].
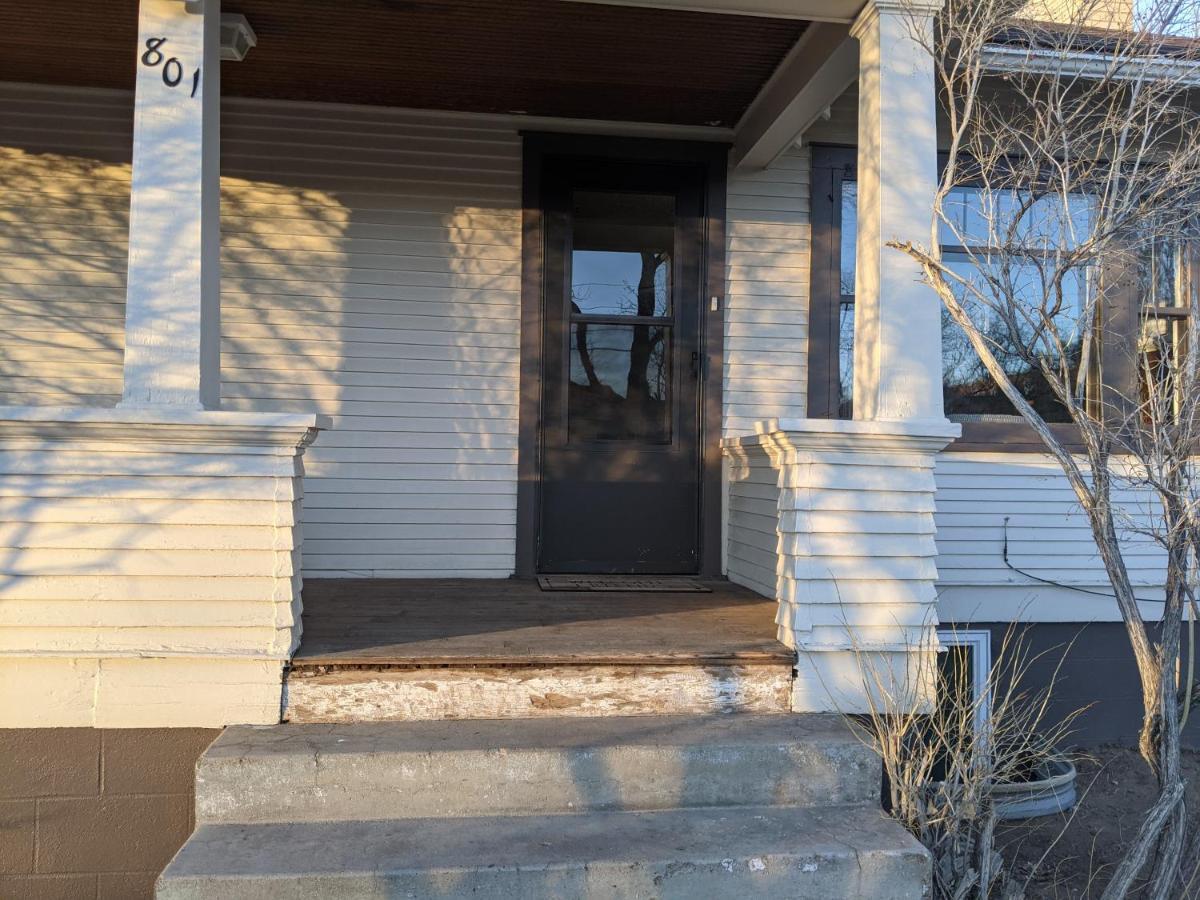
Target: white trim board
[{"x": 980, "y": 642}]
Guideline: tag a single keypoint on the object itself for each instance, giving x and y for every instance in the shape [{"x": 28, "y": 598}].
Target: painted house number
[{"x": 172, "y": 68}]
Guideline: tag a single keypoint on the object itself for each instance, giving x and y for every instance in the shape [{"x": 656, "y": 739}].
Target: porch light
[{"x": 237, "y": 37}]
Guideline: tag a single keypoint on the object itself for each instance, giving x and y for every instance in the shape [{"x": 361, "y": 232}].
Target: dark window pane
[
  {"x": 621, "y": 253},
  {"x": 620, "y": 383},
  {"x": 968, "y": 389}
]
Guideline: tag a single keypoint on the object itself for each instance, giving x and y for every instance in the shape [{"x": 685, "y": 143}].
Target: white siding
[
  {"x": 766, "y": 315},
  {"x": 372, "y": 273},
  {"x": 1048, "y": 537},
  {"x": 64, "y": 219},
  {"x": 752, "y": 546}
]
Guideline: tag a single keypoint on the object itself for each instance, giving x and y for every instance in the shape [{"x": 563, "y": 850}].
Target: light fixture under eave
[{"x": 237, "y": 37}]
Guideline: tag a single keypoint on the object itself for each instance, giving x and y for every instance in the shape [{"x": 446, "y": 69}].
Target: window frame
[{"x": 831, "y": 166}]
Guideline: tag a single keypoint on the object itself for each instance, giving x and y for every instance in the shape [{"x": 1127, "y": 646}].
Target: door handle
[{"x": 695, "y": 363}]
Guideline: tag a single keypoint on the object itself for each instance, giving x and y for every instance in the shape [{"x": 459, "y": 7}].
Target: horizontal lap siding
[
  {"x": 1048, "y": 536},
  {"x": 753, "y": 540},
  {"x": 371, "y": 272},
  {"x": 64, "y": 221},
  {"x": 766, "y": 313}
]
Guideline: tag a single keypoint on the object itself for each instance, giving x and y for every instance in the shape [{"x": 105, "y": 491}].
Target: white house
[{"x": 377, "y": 305}]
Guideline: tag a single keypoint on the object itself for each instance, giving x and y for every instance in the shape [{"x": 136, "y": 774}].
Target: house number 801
[{"x": 172, "y": 68}]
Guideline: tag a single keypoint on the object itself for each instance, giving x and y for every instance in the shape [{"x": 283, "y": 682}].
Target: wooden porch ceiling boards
[
  {"x": 417, "y": 622},
  {"x": 539, "y": 57}
]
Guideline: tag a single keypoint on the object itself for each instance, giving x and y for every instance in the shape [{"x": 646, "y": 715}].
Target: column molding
[
  {"x": 172, "y": 303},
  {"x": 897, "y": 319}
]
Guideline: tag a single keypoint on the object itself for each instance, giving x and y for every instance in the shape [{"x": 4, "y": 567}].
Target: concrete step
[
  {"x": 711, "y": 853},
  {"x": 526, "y": 767}
]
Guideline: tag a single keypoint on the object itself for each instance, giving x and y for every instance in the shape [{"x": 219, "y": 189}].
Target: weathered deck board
[{"x": 403, "y": 622}]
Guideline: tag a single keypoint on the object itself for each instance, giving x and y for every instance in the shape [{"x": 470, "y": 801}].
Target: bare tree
[{"x": 1058, "y": 247}]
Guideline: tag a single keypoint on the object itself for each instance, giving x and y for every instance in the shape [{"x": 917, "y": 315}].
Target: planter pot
[{"x": 1052, "y": 792}]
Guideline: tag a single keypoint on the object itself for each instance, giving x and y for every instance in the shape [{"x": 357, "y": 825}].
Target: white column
[
  {"x": 172, "y": 304},
  {"x": 897, "y": 320}
]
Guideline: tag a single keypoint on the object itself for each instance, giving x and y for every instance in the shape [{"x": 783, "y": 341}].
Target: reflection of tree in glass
[
  {"x": 648, "y": 296},
  {"x": 967, "y": 385},
  {"x": 846, "y": 357},
  {"x": 636, "y": 408}
]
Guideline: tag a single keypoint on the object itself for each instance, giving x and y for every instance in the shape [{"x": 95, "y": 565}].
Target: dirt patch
[{"x": 1116, "y": 788}]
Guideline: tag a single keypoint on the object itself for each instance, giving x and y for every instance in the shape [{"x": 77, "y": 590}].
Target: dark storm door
[{"x": 622, "y": 363}]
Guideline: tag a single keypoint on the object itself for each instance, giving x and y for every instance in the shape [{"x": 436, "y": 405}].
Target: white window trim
[{"x": 980, "y": 642}]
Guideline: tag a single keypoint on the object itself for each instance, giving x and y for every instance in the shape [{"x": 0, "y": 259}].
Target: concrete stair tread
[
  {"x": 729, "y": 852},
  {"x": 245, "y": 741},
  {"x": 470, "y": 768}
]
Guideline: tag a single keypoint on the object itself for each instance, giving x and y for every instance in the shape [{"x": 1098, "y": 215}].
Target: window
[
  {"x": 970, "y": 395},
  {"x": 968, "y": 391},
  {"x": 621, "y": 317},
  {"x": 1166, "y": 285}
]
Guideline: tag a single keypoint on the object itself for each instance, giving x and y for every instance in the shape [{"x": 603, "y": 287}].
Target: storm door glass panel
[
  {"x": 621, "y": 317},
  {"x": 620, "y": 382}
]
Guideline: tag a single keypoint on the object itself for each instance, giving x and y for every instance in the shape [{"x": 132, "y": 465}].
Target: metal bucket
[{"x": 1053, "y": 792}]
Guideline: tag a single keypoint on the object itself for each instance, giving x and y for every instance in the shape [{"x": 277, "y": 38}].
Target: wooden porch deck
[{"x": 456, "y": 622}]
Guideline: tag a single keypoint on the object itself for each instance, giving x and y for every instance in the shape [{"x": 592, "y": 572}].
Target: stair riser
[
  {"x": 425, "y": 694},
  {"x": 794, "y": 876},
  {"x": 391, "y": 785}
]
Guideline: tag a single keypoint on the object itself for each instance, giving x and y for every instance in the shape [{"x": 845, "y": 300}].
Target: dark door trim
[{"x": 713, "y": 157}]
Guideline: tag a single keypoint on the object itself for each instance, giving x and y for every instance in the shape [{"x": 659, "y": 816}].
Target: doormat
[{"x": 641, "y": 584}]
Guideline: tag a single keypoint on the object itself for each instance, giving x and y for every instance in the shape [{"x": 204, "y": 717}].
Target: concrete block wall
[{"x": 93, "y": 814}]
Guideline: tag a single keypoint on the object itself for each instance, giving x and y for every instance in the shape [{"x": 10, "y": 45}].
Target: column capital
[{"x": 876, "y": 8}]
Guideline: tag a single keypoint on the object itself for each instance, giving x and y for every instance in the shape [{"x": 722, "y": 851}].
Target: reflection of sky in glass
[
  {"x": 849, "y": 234},
  {"x": 964, "y": 374},
  {"x": 846, "y": 358},
  {"x": 977, "y": 219},
  {"x": 605, "y": 282},
  {"x": 974, "y": 217}
]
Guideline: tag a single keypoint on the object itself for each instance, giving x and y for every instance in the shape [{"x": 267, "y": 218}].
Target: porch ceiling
[{"x": 540, "y": 57}]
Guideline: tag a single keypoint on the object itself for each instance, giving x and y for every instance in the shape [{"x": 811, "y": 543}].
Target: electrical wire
[{"x": 1059, "y": 584}]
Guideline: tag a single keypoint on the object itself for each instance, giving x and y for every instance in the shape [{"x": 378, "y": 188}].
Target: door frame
[{"x": 712, "y": 159}]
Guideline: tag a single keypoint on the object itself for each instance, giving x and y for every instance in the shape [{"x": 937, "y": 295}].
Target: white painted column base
[
  {"x": 149, "y": 565},
  {"x": 855, "y": 555}
]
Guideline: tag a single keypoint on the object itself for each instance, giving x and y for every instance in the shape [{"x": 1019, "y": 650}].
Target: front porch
[
  {"x": 403, "y": 649},
  {"x": 302, "y": 329}
]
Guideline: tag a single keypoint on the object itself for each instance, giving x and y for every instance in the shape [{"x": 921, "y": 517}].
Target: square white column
[
  {"x": 172, "y": 303},
  {"x": 897, "y": 319}
]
